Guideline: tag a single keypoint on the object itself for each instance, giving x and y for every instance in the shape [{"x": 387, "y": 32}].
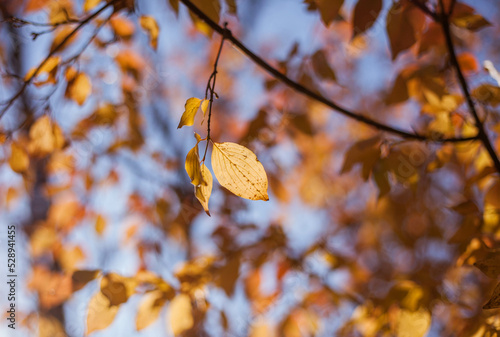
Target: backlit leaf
[
  {"x": 413, "y": 323},
  {"x": 100, "y": 313},
  {"x": 79, "y": 89},
  {"x": 49, "y": 68},
  {"x": 45, "y": 137},
  {"x": 238, "y": 169},
  {"x": 180, "y": 314},
  {"x": 203, "y": 191},
  {"x": 19, "y": 160},
  {"x": 90, "y": 4},
  {"x": 192, "y": 166},
  {"x": 487, "y": 93},
  {"x": 492, "y": 197},
  {"x": 149, "y": 24},
  {"x": 80, "y": 278},
  {"x": 149, "y": 309},
  {"x": 122, "y": 27},
  {"x": 190, "y": 110}
]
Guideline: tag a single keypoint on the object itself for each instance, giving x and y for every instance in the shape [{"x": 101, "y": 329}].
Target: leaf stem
[{"x": 211, "y": 89}]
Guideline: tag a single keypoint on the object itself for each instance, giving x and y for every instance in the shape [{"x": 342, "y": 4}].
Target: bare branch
[{"x": 317, "y": 97}]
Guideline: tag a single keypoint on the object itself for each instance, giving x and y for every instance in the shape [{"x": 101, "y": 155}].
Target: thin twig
[
  {"x": 483, "y": 136},
  {"x": 211, "y": 88},
  {"x": 27, "y": 81},
  {"x": 315, "y": 96}
]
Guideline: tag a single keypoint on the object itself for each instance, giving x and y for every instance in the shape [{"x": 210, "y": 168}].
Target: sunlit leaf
[
  {"x": 100, "y": 313},
  {"x": 413, "y": 323},
  {"x": 45, "y": 137},
  {"x": 203, "y": 191},
  {"x": 238, "y": 169},
  {"x": 49, "y": 67},
  {"x": 180, "y": 314},
  {"x": 149, "y": 309},
  {"x": 90, "y": 4},
  {"x": 190, "y": 110},
  {"x": 193, "y": 168},
  {"x": 149, "y": 24},
  {"x": 79, "y": 89},
  {"x": 122, "y": 27},
  {"x": 19, "y": 160}
]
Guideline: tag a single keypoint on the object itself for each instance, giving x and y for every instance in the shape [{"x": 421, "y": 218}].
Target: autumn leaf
[
  {"x": 49, "y": 67},
  {"x": 404, "y": 24},
  {"x": 490, "y": 265},
  {"x": 329, "y": 9},
  {"x": 413, "y": 323},
  {"x": 191, "y": 108},
  {"x": 122, "y": 27},
  {"x": 80, "y": 278},
  {"x": 79, "y": 88},
  {"x": 60, "y": 35},
  {"x": 149, "y": 24},
  {"x": 366, "y": 13},
  {"x": 203, "y": 191},
  {"x": 45, "y": 137},
  {"x": 193, "y": 168},
  {"x": 100, "y": 313},
  {"x": 494, "y": 301},
  {"x": 321, "y": 66},
  {"x": 149, "y": 309},
  {"x": 19, "y": 160},
  {"x": 180, "y": 314},
  {"x": 90, "y": 4},
  {"x": 487, "y": 93},
  {"x": 35, "y": 5},
  {"x": 238, "y": 169},
  {"x": 117, "y": 288},
  {"x": 492, "y": 197}
]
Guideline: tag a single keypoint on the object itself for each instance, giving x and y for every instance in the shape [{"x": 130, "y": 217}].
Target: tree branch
[
  {"x": 482, "y": 135},
  {"x": 300, "y": 88},
  {"x": 27, "y": 81}
]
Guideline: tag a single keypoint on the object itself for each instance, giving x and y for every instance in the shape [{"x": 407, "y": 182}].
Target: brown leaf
[
  {"x": 494, "y": 301},
  {"x": 366, "y": 13},
  {"x": 490, "y": 265}
]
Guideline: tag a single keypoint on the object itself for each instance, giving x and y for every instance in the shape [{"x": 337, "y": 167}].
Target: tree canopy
[{"x": 250, "y": 168}]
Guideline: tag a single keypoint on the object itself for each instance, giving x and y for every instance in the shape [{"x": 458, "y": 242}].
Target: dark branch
[
  {"x": 483, "y": 136},
  {"x": 28, "y": 80},
  {"x": 300, "y": 88}
]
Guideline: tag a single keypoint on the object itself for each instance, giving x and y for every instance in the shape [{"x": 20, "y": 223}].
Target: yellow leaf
[
  {"x": 79, "y": 88},
  {"x": 100, "y": 224},
  {"x": 492, "y": 197},
  {"x": 60, "y": 35},
  {"x": 204, "y": 106},
  {"x": 122, "y": 27},
  {"x": 149, "y": 24},
  {"x": 238, "y": 169},
  {"x": 149, "y": 309},
  {"x": 117, "y": 288},
  {"x": 90, "y": 4},
  {"x": 413, "y": 323},
  {"x": 100, "y": 313},
  {"x": 49, "y": 68},
  {"x": 181, "y": 315},
  {"x": 203, "y": 191},
  {"x": 45, "y": 137},
  {"x": 193, "y": 166},
  {"x": 190, "y": 110},
  {"x": 19, "y": 160}
]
